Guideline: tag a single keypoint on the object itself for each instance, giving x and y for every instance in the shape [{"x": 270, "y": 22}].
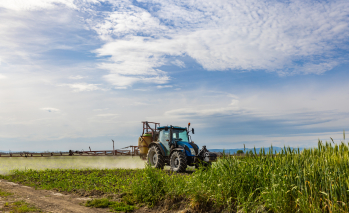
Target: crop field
[{"x": 314, "y": 180}]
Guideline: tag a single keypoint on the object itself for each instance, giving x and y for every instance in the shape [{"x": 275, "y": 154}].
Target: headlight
[{"x": 192, "y": 151}]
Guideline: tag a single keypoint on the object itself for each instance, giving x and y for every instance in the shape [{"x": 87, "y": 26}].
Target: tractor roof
[{"x": 173, "y": 127}]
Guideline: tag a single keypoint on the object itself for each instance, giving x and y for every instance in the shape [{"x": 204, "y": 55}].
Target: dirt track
[
  {"x": 51, "y": 201},
  {"x": 47, "y": 201}
]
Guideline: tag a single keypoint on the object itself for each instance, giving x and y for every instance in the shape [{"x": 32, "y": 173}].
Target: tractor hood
[{"x": 189, "y": 149}]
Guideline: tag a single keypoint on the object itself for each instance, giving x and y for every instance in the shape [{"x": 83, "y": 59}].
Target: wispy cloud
[
  {"x": 50, "y": 109},
  {"x": 80, "y": 87},
  {"x": 164, "y": 86},
  {"x": 106, "y": 118},
  {"x": 123, "y": 81},
  {"x": 29, "y": 46},
  {"x": 292, "y": 37},
  {"x": 208, "y": 110},
  {"x": 98, "y": 110},
  {"x": 178, "y": 63},
  {"x": 77, "y": 77},
  {"x": 108, "y": 115},
  {"x": 135, "y": 60},
  {"x": 35, "y": 4}
]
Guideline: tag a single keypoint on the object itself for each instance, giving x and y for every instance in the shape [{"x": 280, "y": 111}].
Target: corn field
[{"x": 314, "y": 180}]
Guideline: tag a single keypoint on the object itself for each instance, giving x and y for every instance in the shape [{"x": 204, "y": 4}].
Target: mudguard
[
  {"x": 196, "y": 148},
  {"x": 177, "y": 149},
  {"x": 158, "y": 145},
  {"x": 191, "y": 152}
]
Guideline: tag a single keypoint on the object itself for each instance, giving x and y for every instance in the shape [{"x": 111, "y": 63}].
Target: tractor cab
[{"x": 171, "y": 136}]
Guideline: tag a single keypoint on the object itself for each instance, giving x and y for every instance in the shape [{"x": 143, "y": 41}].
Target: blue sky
[{"x": 75, "y": 74}]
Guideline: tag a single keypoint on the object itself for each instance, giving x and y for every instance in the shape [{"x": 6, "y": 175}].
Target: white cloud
[
  {"x": 20, "y": 5},
  {"x": 206, "y": 110},
  {"x": 128, "y": 19},
  {"x": 76, "y": 77},
  {"x": 50, "y": 109},
  {"x": 314, "y": 68},
  {"x": 108, "y": 115},
  {"x": 98, "y": 110},
  {"x": 120, "y": 87},
  {"x": 142, "y": 90},
  {"x": 297, "y": 107},
  {"x": 178, "y": 63},
  {"x": 31, "y": 46},
  {"x": 2, "y": 76},
  {"x": 301, "y": 107},
  {"x": 122, "y": 81},
  {"x": 105, "y": 118},
  {"x": 80, "y": 87},
  {"x": 164, "y": 86},
  {"x": 292, "y": 37},
  {"x": 137, "y": 103},
  {"x": 135, "y": 60}
]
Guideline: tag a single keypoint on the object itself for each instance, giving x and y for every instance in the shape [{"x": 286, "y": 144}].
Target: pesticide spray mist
[{"x": 70, "y": 162}]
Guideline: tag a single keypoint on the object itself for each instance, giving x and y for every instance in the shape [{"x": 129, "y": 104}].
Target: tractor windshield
[{"x": 180, "y": 134}]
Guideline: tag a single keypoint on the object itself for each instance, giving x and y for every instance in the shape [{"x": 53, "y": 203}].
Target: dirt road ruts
[{"x": 47, "y": 200}]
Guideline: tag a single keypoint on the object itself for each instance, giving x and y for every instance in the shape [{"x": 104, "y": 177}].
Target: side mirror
[{"x": 192, "y": 130}]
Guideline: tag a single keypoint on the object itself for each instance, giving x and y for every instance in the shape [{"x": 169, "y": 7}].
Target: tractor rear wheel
[
  {"x": 155, "y": 158},
  {"x": 178, "y": 162}
]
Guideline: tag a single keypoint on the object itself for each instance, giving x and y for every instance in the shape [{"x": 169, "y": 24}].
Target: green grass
[
  {"x": 4, "y": 193},
  {"x": 73, "y": 180},
  {"x": 106, "y": 203},
  {"x": 17, "y": 206},
  {"x": 314, "y": 180},
  {"x": 20, "y": 207}
]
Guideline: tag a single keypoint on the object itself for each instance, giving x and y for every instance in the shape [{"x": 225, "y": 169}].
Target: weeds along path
[{"x": 47, "y": 200}]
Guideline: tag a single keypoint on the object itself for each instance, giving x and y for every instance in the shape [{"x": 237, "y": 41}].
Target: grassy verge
[
  {"x": 19, "y": 207},
  {"x": 15, "y": 206},
  {"x": 4, "y": 193},
  {"x": 106, "y": 203},
  {"x": 314, "y": 180}
]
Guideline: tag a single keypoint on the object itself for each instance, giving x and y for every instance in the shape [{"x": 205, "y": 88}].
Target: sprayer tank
[{"x": 143, "y": 143}]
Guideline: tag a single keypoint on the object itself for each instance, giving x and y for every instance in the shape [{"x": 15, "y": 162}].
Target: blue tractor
[{"x": 172, "y": 145}]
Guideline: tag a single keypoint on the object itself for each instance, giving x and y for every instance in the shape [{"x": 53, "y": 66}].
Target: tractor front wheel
[
  {"x": 178, "y": 162},
  {"x": 155, "y": 158}
]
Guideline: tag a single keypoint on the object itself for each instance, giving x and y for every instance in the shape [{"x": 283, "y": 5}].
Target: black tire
[
  {"x": 155, "y": 158},
  {"x": 178, "y": 161}
]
